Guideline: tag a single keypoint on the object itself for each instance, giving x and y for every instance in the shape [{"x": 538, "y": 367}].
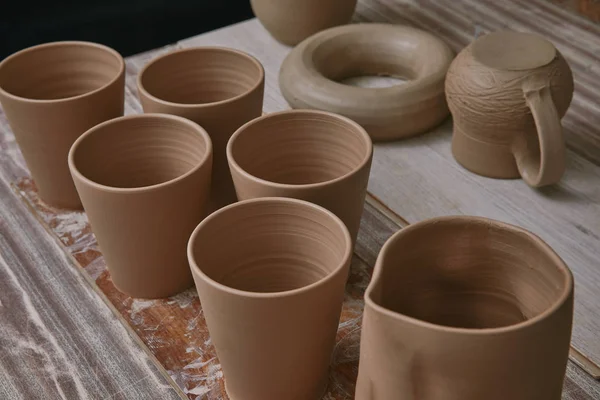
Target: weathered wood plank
[
  {"x": 586, "y": 8},
  {"x": 418, "y": 178},
  {"x": 58, "y": 338}
]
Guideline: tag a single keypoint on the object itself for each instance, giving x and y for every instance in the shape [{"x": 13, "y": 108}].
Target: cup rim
[
  {"x": 365, "y": 161},
  {"x": 67, "y": 43},
  {"x": 218, "y": 49},
  {"x": 143, "y": 189},
  {"x": 564, "y": 295},
  {"x": 270, "y": 295}
]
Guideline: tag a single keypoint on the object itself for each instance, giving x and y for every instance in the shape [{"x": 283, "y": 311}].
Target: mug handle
[{"x": 541, "y": 159}]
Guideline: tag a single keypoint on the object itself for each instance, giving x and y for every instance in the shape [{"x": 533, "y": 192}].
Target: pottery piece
[
  {"x": 465, "y": 308},
  {"x": 310, "y": 77},
  {"x": 507, "y": 92},
  {"x": 315, "y": 156},
  {"x": 144, "y": 181},
  {"x": 53, "y": 93},
  {"x": 218, "y": 88},
  {"x": 292, "y": 21},
  {"x": 270, "y": 274}
]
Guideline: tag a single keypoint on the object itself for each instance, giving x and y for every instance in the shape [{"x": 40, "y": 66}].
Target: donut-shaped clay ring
[{"x": 310, "y": 76}]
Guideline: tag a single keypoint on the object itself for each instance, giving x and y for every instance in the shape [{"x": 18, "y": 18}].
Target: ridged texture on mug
[
  {"x": 218, "y": 88},
  {"x": 270, "y": 274},
  {"x": 489, "y": 104},
  {"x": 489, "y": 109},
  {"x": 52, "y": 94},
  {"x": 316, "y": 156},
  {"x": 455, "y": 303},
  {"x": 144, "y": 182}
]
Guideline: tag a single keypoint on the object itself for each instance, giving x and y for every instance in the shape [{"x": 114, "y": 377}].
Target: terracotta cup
[
  {"x": 51, "y": 94},
  {"x": 220, "y": 89},
  {"x": 465, "y": 308},
  {"x": 270, "y": 274},
  {"x": 316, "y": 156},
  {"x": 144, "y": 181},
  {"x": 292, "y": 21},
  {"x": 507, "y": 92}
]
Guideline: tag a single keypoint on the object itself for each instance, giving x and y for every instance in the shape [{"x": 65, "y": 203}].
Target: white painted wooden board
[{"x": 418, "y": 178}]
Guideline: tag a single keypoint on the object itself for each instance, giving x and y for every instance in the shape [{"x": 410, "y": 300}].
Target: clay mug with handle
[{"x": 507, "y": 92}]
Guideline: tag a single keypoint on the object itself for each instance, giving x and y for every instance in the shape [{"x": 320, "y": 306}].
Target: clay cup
[
  {"x": 218, "y": 88},
  {"x": 507, "y": 92},
  {"x": 270, "y": 274},
  {"x": 292, "y": 21},
  {"x": 315, "y": 156},
  {"x": 53, "y": 93},
  {"x": 144, "y": 181},
  {"x": 466, "y": 308}
]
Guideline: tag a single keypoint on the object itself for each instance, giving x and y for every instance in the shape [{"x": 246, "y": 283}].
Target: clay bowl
[
  {"x": 466, "y": 308},
  {"x": 270, "y": 274},
  {"x": 220, "y": 89},
  {"x": 507, "y": 92},
  {"x": 291, "y": 21},
  {"x": 144, "y": 181},
  {"x": 316, "y": 156},
  {"x": 311, "y": 75},
  {"x": 53, "y": 93}
]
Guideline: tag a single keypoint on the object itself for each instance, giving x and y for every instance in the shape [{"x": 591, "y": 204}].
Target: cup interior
[
  {"x": 270, "y": 245},
  {"x": 300, "y": 147},
  {"x": 138, "y": 152},
  {"x": 473, "y": 275},
  {"x": 59, "y": 70},
  {"x": 201, "y": 75}
]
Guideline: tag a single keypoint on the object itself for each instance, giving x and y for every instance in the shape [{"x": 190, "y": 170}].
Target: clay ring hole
[
  {"x": 140, "y": 151},
  {"x": 201, "y": 75},
  {"x": 299, "y": 148},
  {"x": 270, "y": 245},
  {"x": 60, "y": 70},
  {"x": 471, "y": 274},
  {"x": 367, "y": 65}
]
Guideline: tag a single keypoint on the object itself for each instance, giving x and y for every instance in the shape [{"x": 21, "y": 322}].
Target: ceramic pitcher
[{"x": 465, "y": 308}]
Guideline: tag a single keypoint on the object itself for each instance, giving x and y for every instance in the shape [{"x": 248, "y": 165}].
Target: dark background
[{"x": 128, "y": 26}]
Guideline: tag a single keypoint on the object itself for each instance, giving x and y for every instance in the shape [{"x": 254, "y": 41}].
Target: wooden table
[{"x": 66, "y": 332}]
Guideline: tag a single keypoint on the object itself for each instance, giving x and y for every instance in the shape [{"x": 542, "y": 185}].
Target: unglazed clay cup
[
  {"x": 270, "y": 274},
  {"x": 466, "y": 308},
  {"x": 53, "y": 93},
  {"x": 315, "y": 156},
  {"x": 292, "y": 21},
  {"x": 144, "y": 181},
  {"x": 507, "y": 92},
  {"x": 220, "y": 89}
]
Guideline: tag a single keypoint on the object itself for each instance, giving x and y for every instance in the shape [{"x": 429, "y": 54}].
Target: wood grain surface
[
  {"x": 587, "y": 8},
  {"x": 59, "y": 340},
  {"x": 418, "y": 178}
]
